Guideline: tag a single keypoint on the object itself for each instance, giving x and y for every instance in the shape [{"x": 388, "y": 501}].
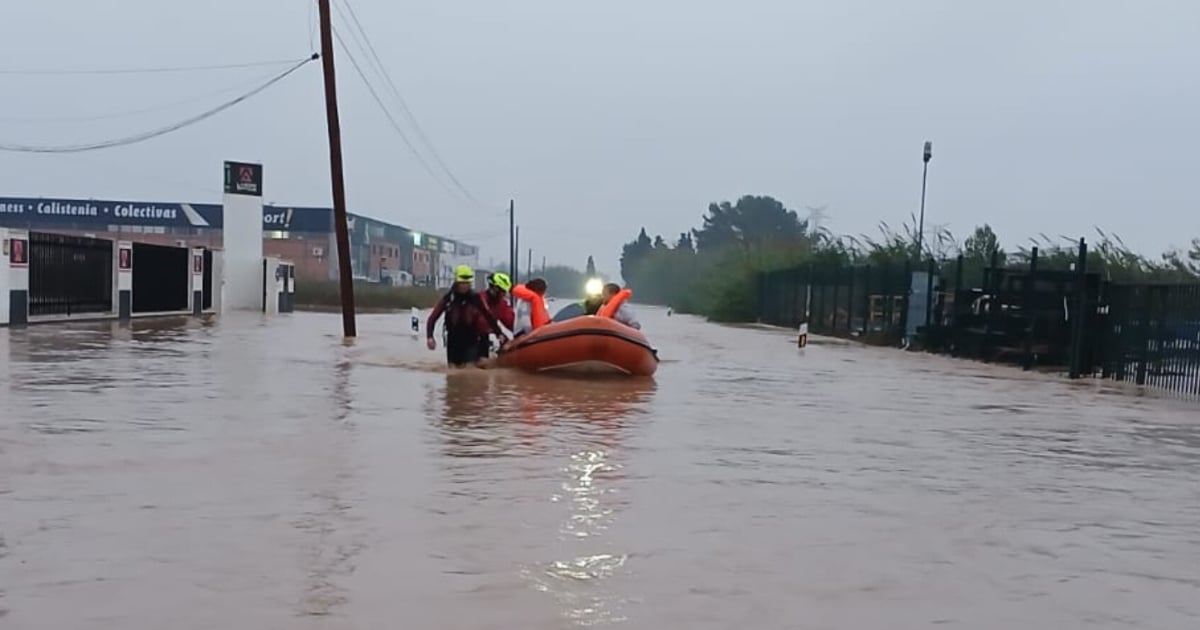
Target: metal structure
[{"x": 69, "y": 275}]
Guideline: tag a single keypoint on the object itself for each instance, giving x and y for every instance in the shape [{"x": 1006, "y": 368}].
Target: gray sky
[{"x": 600, "y": 117}]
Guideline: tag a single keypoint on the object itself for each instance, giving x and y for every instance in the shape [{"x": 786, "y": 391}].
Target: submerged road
[{"x": 260, "y": 475}]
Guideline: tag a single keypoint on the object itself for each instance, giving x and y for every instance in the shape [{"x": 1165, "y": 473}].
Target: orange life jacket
[
  {"x": 538, "y": 316},
  {"x": 610, "y": 307}
]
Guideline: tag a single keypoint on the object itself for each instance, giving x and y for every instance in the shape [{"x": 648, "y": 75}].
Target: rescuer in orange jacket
[
  {"x": 534, "y": 293},
  {"x": 616, "y": 305}
]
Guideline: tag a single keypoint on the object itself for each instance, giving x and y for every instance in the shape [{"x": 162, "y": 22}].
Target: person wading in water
[
  {"x": 467, "y": 320},
  {"x": 495, "y": 296}
]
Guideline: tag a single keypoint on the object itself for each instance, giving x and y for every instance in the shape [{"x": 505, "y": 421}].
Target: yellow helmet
[
  {"x": 464, "y": 273},
  {"x": 501, "y": 281}
]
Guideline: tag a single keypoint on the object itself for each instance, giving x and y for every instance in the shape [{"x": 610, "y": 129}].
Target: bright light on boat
[{"x": 594, "y": 287}]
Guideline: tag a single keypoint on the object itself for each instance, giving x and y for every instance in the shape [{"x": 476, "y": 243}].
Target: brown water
[{"x": 265, "y": 475}]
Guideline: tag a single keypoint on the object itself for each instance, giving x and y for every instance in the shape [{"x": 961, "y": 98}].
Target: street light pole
[{"x": 924, "y": 176}]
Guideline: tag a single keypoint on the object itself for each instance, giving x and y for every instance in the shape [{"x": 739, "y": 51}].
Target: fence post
[
  {"x": 885, "y": 292},
  {"x": 905, "y": 297},
  {"x": 992, "y": 277},
  {"x": 1027, "y": 307},
  {"x": 866, "y": 319},
  {"x": 929, "y": 301},
  {"x": 1077, "y": 326},
  {"x": 850, "y": 301},
  {"x": 956, "y": 308},
  {"x": 837, "y": 279}
]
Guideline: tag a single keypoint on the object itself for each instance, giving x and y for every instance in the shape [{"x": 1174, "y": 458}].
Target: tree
[
  {"x": 685, "y": 243},
  {"x": 660, "y": 244},
  {"x": 980, "y": 245},
  {"x": 564, "y": 281},
  {"x": 752, "y": 221},
  {"x": 591, "y": 267},
  {"x": 633, "y": 253}
]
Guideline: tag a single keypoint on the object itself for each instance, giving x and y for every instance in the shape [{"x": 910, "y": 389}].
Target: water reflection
[
  {"x": 329, "y": 485},
  {"x": 498, "y": 413}
]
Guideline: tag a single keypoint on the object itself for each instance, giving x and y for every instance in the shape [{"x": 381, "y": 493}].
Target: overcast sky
[{"x": 601, "y": 117}]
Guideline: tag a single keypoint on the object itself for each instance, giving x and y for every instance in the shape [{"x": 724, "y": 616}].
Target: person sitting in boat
[
  {"x": 616, "y": 305},
  {"x": 593, "y": 296},
  {"x": 495, "y": 296},
  {"x": 467, "y": 319},
  {"x": 533, "y": 293}
]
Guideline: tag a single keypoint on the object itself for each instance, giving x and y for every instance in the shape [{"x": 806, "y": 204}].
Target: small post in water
[
  {"x": 802, "y": 338},
  {"x": 415, "y": 322}
]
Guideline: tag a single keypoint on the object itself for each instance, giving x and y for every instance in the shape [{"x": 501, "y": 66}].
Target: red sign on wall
[
  {"x": 18, "y": 252},
  {"x": 125, "y": 259},
  {"x": 197, "y": 263}
]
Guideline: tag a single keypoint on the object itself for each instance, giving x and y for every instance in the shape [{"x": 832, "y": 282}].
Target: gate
[
  {"x": 69, "y": 275},
  {"x": 161, "y": 275}
]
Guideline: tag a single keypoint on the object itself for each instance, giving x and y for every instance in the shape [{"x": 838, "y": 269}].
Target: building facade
[{"x": 379, "y": 251}]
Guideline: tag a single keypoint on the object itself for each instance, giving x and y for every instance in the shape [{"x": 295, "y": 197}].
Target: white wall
[
  {"x": 5, "y": 281},
  {"x": 243, "y": 253}
]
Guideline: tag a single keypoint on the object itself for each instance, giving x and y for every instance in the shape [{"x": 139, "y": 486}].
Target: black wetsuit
[{"x": 467, "y": 319}]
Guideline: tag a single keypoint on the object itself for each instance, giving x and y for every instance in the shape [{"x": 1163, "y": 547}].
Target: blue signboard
[
  {"x": 46, "y": 212},
  {"x": 293, "y": 219}
]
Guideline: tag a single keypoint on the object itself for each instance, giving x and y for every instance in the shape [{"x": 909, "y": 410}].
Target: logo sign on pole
[
  {"x": 197, "y": 263},
  {"x": 18, "y": 253},
  {"x": 125, "y": 259},
  {"x": 243, "y": 179}
]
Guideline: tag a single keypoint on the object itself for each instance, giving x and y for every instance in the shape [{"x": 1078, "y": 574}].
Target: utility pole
[
  {"x": 512, "y": 247},
  {"x": 529, "y": 265},
  {"x": 345, "y": 279},
  {"x": 543, "y": 265}
]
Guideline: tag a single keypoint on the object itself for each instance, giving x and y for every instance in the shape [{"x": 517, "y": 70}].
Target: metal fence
[
  {"x": 1153, "y": 336},
  {"x": 69, "y": 275},
  {"x": 1069, "y": 319},
  {"x": 869, "y": 303}
]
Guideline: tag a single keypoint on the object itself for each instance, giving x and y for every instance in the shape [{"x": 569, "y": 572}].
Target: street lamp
[{"x": 928, "y": 155}]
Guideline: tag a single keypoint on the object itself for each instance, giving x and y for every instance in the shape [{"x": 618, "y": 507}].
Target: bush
[{"x": 367, "y": 296}]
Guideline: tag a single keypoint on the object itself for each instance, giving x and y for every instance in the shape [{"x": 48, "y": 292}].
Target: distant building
[{"x": 379, "y": 251}]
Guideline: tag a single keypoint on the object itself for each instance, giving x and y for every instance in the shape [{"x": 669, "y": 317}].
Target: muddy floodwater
[{"x": 262, "y": 474}]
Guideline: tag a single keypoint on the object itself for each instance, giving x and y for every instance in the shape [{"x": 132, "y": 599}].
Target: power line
[
  {"x": 145, "y": 110},
  {"x": 77, "y": 148},
  {"x": 227, "y": 66},
  {"x": 404, "y": 105},
  {"x": 386, "y": 112}
]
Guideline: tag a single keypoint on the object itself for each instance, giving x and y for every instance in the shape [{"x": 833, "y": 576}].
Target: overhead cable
[
  {"x": 404, "y": 105},
  {"x": 141, "y": 137},
  {"x": 226, "y": 66},
  {"x": 386, "y": 112}
]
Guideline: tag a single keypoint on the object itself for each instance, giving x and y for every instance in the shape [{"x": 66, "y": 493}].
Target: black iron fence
[
  {"x": 859, "y": 302},
  {"x": 1066, "y": 318},
  {"x": 69, "y": 275},
  {"x": 1153, "y": 336}
]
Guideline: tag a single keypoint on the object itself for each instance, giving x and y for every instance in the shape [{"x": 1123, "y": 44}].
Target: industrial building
[{"x": 379, "y": 251}]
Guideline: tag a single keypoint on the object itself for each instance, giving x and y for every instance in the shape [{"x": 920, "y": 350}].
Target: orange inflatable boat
[{"x": 586, "y": 344}]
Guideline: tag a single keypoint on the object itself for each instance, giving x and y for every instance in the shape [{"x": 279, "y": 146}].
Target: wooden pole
[{"x": 346, "y": 280}]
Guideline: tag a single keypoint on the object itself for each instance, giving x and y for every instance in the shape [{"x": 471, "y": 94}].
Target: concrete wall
[
  {"x": 243, "y": 245},
  {"x": 5, "y": 281}
]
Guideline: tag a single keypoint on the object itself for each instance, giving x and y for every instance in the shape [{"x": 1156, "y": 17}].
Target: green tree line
[{"x": 712, "y": 269}]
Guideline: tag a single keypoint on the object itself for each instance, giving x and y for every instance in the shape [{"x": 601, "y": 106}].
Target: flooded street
[{"x": 262, "y": 474}]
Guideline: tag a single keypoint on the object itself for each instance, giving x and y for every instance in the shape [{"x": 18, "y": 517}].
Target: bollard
[{"x": 802, "y": 338}]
